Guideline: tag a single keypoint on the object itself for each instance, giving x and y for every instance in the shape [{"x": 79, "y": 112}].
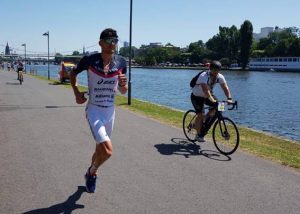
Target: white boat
[{"x": 275, "y": 64}]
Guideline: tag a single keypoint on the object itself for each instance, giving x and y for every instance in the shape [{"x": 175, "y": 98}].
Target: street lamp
[
  {"x": 130, "y": 45},
  {"x": 25, "y": 55},
  {"x": 47, "y": 34}
]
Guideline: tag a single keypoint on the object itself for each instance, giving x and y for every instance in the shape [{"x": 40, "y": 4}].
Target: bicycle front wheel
[
  {"x": 188, "y": 124},
  {"x": 226, "y": 136}
]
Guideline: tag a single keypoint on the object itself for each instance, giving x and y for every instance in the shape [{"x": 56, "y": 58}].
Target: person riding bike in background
[
  {"x": 20, "y": 68},
  {"x": 202, "y": 93}
]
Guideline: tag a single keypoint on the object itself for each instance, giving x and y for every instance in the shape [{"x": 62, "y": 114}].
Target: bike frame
[
  {"x": 225, "y": 133},
  {"x": 209, "y": 121}
]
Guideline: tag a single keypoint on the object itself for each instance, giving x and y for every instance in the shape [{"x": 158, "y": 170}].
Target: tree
[
  {"x": 58, "y": 58},
  {"x": 76, "y": 53},
  {"x": 154, "y": 55},
  {"x": 294, "y": 49},
  {"x": 196, "y": 50},
  {"x": 246, "y": 37},
  {"x": 124, "y": 51},
  {"x": 279, "y": 43},
  {"x": 225, "y": 44}
]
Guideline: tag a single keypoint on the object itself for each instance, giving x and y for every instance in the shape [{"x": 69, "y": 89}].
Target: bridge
[
  {"x": 34, "y": 57},
  {"x": 31, "y": 55}
]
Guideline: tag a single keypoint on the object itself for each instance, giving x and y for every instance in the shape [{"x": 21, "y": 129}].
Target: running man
[{"x": 106, "y": 74}]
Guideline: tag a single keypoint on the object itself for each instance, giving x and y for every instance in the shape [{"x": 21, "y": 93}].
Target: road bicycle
[{"x": 225, "y": 133}]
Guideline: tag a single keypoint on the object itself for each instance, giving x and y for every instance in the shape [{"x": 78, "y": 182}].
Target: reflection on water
[{"x": 268, "y": 101}]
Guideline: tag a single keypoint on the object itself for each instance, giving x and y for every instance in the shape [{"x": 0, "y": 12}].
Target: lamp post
[
  {"x": 47, "y": 34},
  {"x": 25, "y": 55},
  {"x": 130, "y": 47}
]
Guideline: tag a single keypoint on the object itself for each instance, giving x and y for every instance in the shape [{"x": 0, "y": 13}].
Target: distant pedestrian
[
  {"x": 12, "y": 66},
  {"x": 106, "y": 74},
  {"x": 8, "y": 66}
]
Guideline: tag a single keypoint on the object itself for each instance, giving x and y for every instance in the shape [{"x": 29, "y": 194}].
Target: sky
[{"x": 74, "y": 24}]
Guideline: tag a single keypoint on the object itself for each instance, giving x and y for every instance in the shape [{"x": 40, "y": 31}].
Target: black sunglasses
[{"x": 111, "y": 41}]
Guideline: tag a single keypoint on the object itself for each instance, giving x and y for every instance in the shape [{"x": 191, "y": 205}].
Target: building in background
[
  {"x": 152, "y": 45},
  {"x": 265, "y": 31},
  {"x": 126, "y": 44},
  {"x": 155, "y": 44},
  {"x": 7, "y": 49}
]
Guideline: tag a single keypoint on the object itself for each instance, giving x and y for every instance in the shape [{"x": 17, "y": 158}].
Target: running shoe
[{"x": 90, "y": 182}]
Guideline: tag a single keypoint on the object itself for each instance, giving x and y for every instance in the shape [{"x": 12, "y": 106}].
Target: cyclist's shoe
[
  {"x": 199, "y": 138},
  {"x": 90, "y": 181}
]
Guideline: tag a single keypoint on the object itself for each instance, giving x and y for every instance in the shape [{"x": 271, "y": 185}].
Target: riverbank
[
  {"x": 262, "y": 144},
  {"x": 187, "y": 68},
  {"x": 151, "y": 84}
]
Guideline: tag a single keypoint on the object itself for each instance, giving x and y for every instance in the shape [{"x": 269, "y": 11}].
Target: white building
[
  {"x": 126, "y": 44},
  {"x": 265, "y": 31}
]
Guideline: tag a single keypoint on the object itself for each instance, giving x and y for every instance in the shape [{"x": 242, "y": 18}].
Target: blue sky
[{"x": 76, "y": 23}]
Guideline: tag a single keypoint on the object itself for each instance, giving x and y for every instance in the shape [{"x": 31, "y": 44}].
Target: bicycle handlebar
[{"x": 234, "y": 105}]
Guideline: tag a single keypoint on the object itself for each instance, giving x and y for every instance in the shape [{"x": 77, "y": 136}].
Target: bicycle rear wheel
[
  {"x": 226, "y": 136},
  {"x": 188, "y": 125}
]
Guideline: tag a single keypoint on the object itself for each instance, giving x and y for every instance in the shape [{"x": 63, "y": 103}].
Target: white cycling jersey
[{"x": 205, "y": 78}]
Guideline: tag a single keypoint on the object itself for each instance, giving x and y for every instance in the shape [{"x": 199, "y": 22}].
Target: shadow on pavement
[
  {"x": 17, "y": 107},
  {"x": 187, "y": 149},
  {"x": 58, "y": 83},
  {"x": 13, "y": 83},
  {"x": 215, "y": 155},
  {"x": 181, "y": 147},
  {"x": 65, "y": 207},
  {"x": 64, "y": 106}
]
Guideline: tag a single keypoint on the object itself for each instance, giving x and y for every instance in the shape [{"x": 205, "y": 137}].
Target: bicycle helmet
[{"x": 215, "y": 65}]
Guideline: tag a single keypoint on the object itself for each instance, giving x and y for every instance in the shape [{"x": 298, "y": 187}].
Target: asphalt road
[{"x": 46, "y": 145}]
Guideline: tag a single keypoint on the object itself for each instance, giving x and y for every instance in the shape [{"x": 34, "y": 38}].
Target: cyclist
[
  {"x": 202, "y": 93},
  {"x": 20, "y": 68},
  {"x": 106, "y": 73}
]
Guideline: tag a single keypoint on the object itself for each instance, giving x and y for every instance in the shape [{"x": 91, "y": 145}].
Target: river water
[{"x": 267, "y": 101}]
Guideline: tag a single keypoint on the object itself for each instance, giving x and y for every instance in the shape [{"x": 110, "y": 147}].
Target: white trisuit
[{"x": 100, "y": 110}]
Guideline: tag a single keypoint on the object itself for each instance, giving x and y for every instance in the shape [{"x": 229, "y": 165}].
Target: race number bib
[{"x": 221, "y": 106}]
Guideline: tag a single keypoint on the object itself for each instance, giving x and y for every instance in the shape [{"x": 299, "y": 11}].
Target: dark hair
[
  {"x": 215, "y": 65},
  {"x": 108, "y": 33}
]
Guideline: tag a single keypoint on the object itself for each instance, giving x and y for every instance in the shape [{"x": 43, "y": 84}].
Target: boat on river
[{"x": 275, "y": 64}]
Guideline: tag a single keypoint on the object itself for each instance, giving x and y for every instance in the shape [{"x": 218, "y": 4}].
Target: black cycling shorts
[{"x": 198, "y": 103}]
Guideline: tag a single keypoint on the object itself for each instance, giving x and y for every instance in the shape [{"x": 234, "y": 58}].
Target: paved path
[{"x": 45, "y": 148}]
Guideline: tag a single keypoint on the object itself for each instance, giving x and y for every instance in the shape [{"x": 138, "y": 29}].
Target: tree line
[{"x": 230, "y": 45}]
